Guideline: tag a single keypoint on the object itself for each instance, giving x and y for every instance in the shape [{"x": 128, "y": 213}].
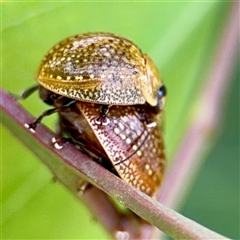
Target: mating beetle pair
[{"x": 109, "y": 98}]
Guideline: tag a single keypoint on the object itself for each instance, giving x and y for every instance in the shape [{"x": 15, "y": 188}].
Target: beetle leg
[
  {"x": 25, "y": 94},
  {"x": 50, "y": 112},
  {"x": 102, "y": 119}
]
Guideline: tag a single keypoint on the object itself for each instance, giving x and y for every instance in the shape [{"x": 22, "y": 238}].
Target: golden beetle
[
  {"x": 84, "y": 74},
  {"x": 101, "y": 68}
]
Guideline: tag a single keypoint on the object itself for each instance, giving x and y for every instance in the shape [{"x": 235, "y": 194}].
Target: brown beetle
[
  {"x": 79, "y": 75},
  {"x": 128, "y": 144}
]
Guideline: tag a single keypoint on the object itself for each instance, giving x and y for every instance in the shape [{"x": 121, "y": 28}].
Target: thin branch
[
  {"x": 72, "y": 167},
  {"x": 64, "y": 165}
]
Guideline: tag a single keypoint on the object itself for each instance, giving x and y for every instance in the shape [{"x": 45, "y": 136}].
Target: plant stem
[{"x": 72, "y": 168}]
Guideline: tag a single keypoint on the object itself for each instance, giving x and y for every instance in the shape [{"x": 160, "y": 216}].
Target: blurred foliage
[{"x": 181, "y": 38}]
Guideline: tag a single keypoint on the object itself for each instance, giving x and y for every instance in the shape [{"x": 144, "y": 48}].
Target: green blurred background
[{"x": 182, "y": 39}]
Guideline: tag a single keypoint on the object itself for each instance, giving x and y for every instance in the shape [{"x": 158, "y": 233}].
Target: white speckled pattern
[{"x": 100, "y": 68}]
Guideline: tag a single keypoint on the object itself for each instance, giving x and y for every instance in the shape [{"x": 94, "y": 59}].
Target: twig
[{"x": 71, "y": 167}]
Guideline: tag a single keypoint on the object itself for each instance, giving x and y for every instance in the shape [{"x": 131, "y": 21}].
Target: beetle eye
[{"x": 162, "y": 92}]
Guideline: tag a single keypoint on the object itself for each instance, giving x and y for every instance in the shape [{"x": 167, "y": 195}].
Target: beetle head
[{"x": 153, "y": 83}]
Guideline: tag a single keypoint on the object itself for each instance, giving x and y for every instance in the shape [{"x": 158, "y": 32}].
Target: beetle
[
  {"x": 101, "y": 68},
  {"x": 81, "y": 77},
  {"x": 130, "y": 145}
]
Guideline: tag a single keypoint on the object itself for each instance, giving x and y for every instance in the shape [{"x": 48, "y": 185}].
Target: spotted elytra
[
  {"x": 81, "y": 76},
  {"x": 129, "y": 144},
  {"x": 100, "y": 68}
]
